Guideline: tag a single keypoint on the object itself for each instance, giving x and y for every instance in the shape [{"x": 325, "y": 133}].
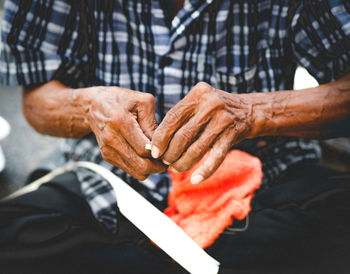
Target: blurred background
[{"x": 26, "y": 150}]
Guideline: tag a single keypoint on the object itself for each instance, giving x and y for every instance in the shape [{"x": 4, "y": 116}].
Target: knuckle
[
  {"x": 142, "y": 152},
  {"x": 203, "y": 86},
  {"x": 170, "y": 157},
  {"x": 226, "y": 119},
  {"x": 208, "y": 95},
  {"x": 144, "y": 167},
  {"x": 216, "y": 103},
  {"x": 209, "y": 170},
  {"x": 107, "y": 139},
  {"x": 197, "y": 151},
  {"x": 186, "y": 135},
  {"x": 149, "y": 98},
  {"x": 201, "y": 89},
  {"x": 210, "y": 135},
  {"x": 219, "y": 153},
  {"x": 212, "y": 101},
  {"x": 107, "y": 157},
  {"x": 172, "y": 115},
  {"x": 101, "y": 146},
  {"x": 181, "y": 167},
  {"x": 140, "y": 177}
]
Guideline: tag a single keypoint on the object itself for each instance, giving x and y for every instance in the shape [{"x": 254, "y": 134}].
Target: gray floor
[{"x": 24, "y": 149}]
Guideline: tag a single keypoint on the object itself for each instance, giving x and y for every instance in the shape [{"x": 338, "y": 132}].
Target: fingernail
[
  {"x": 166, "y": 163},
  {"x": 155, "y": 152},
  {"x": 196, "y": 179}
]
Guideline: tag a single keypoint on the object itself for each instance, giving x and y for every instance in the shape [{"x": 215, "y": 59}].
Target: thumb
[{"x": 147, "y": 115}]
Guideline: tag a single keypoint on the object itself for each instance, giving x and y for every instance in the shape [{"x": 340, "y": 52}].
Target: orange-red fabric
[{"x": 204, "y": 210}]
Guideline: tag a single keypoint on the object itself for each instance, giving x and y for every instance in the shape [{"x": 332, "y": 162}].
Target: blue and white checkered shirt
[{"x": 234, "y": 45}]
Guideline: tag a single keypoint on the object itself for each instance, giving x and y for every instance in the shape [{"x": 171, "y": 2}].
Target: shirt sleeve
[
  {"x": 321, "y": 38},
  {"x": 37, "y": 42}
]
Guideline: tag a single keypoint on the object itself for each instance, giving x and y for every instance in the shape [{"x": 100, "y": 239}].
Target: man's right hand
[{"x": 123, "y": 122}]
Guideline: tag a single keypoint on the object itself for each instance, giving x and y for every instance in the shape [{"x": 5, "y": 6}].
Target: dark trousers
[{"x": 301, "y": 225}]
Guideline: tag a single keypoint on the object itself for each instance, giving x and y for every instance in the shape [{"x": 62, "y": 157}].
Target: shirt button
[{"x": 165, "y": 61}]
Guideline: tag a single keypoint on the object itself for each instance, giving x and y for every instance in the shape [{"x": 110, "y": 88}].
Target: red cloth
[{"x": 204, "y": 210}]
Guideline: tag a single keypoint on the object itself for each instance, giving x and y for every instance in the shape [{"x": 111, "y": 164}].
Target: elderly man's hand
[
  {"x": 123, "y": 121},
  {"x": 205, "y": 119}
]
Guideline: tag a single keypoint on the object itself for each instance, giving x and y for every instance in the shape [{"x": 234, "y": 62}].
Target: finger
[
  {"x": 111, "y": 155},
  {"x": 120, "y": 154},
  {"x": 175, "y": 117},
  {"x": 134, "y": 135},
  {"x": 198, "y": 148},
  {"x": 147, "y": 115},
  {"x": 130, "y": 162},
  {"x": 184, "y": 137},
  {"x": 142, "y": 165},
  {"x": 215, "y": 158}
]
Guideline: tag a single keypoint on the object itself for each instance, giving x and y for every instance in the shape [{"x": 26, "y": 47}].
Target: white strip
[
  {"x": 2, "y": 160},
  {"x": 4, "y": 128},
  {"x": 152, "y": 222}
]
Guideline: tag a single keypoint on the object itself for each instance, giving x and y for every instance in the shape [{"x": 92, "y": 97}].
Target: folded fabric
[{"x": 204, "y": 210}]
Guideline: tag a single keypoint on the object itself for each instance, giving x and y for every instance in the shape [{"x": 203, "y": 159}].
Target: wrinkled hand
[
  {"x": 206, "y": 119},
  {"x": 124, "y": 121}
]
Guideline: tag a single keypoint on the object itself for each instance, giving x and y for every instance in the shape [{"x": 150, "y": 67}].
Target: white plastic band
[{"x": 152, "y": 222}]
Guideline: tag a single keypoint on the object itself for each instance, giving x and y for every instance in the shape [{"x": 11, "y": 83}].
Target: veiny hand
[
  {"x": 124, "y": 121},
  {"x": 206, "y": 119}
]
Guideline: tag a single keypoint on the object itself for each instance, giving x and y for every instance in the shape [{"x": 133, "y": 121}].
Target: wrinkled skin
[
  {"x": 123, "y": 122},
  {"x": 206, "y": 118},
  {"x": 210, "y": 119}
]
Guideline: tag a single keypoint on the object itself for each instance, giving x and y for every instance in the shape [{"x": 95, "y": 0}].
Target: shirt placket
[{"x": 166, "y": 74}]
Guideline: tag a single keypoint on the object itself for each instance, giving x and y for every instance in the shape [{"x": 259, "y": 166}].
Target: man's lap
[
  {"x": 53, "y": 229},
  {"x": 290, "y": 222}
]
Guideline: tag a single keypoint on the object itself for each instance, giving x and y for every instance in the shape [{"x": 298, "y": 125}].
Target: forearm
[
  {"x": 321, "y": 112},
  {"x": 56, "y": 110},
  {"x": 208, "y": 119},
  {"x": 122, "y": 120}
]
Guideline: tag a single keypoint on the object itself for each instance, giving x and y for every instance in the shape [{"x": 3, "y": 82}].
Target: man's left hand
[{"x": 206, "y": 119}]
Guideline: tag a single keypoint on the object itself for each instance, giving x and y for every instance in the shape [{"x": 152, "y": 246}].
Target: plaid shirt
[{"x": 234, "y": 45}]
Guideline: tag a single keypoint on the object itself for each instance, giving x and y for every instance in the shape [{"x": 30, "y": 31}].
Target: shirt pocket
[{"x": 244, "y": 82}]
